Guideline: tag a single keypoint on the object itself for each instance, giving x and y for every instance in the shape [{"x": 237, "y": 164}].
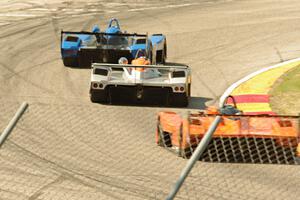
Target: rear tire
[
  {"x": 93, "y": 98},
  {"x": 164, "y": 56},
  {"x": 179, "y": 100},
  {"x": 163, "y": 59},
  {"x": 84, "y": 62},
  {"x": 70, "y": 62},
  {"x": 98, "y": 96},
  {"x": 183, "y": 102}
]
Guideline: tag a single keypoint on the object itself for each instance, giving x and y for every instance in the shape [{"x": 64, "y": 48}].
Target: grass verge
[{"x": 285, "y": 95}]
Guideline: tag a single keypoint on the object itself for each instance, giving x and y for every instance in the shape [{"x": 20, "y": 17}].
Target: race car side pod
[
  {"x": 195, "y": 157},
  {"x": 13, "y": 122}
]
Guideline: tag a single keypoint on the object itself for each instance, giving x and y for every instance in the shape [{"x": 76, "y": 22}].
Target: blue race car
[{"x": 84, "y": 48}]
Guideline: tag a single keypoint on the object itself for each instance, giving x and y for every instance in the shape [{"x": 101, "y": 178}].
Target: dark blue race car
[{"x": 83, "y": 48}]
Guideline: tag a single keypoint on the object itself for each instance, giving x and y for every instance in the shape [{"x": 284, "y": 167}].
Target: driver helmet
[
  {"x": 212, "y": 110},
  {"x": 123, "y": 61},
  {"x": 140, "y": 54}
]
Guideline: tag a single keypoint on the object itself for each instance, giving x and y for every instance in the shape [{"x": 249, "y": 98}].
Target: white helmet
[{"x": 123, "y": 61}]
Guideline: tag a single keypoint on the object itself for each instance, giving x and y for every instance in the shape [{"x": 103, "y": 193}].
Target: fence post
[
  {"x": 13, "y": 122},
  {"x": 195, "y": 157}
]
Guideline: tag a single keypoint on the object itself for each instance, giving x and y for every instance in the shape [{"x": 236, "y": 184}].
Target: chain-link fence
[
  {"x": 247, "y": 139},
  {"x": 92, "y": 151}
]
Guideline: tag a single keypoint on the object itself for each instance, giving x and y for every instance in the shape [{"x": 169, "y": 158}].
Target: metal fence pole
[
  {"x": 13, "y": 122},
  {"x": 195, "y": 157}
]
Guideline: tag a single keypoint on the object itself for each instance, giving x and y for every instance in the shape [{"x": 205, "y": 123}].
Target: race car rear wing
[
  {"x": 98, "y": 35},
  {"x": 103, "y": 33},
  {"x": 121, "y": 66},
  {"x": 101, "y": 39},
  {"x": 168, "y": 73}
]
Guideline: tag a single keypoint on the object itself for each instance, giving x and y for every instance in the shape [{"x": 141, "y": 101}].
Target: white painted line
[
  {"x": 236, "y": 84},
  {"x": 180, "y": 5}
]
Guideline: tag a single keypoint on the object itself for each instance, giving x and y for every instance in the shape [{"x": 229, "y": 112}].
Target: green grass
[
  {"x": 285, "y": 95},
  {"x": 290, "y": 82}
]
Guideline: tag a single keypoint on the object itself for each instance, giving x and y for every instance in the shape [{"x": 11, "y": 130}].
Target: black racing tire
[
  {"x": 164, "y": 56},
  {"x": 94, "y": 98},
  {"x": 70, "y": 62},
  {"x": 98, "y": 96},
  {"x": 179, "y": 100},
  {"x": 151, "y": 57},
  {"x": 164, "y": 138},
  {"x": 183, "y": 102},
  {"x": 84, "y": 62},
  {"x": 163, "y": 59},
  {"x": 150, "y": 53}
]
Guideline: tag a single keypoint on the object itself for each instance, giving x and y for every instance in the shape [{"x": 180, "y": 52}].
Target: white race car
[{"x": 150, "y": 84}]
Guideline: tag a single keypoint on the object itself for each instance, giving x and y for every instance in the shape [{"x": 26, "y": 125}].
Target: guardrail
[{"x": 13, "y": 122}]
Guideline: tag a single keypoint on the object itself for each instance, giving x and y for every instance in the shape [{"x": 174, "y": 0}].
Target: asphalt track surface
[{"x": 65, "y": 147}]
